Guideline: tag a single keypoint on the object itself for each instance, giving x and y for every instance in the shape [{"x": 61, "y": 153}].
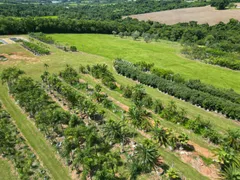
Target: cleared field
[
  {"x": 202, "y": 15},
  {"x": 6, "y": 171},
  {"x": 163, "y": 54}
]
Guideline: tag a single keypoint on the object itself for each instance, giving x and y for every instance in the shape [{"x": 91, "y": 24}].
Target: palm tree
[
  {"x": 228, "y": 157},
  {"x": 138, "y": 117},
  {"x": 231, "y": 173},
  {"x": 10, "y": 75},
  {"x": 116, "y": 131},
  {"x": 233, "y": 139},
  {"x": 46, "y": 66},
  {"x": 146, "y": 156},
  {"x": 162, "y": 135}
]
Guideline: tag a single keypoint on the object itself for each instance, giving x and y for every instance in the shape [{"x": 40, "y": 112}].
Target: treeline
[
  {"x": 15, "y": 149},
  {"x": 218, "y": 39},
  {"x": 227, "y": 94},
  {"x": 97, "y": 12},
  {"x": 214, "y": 56},
  {"x": 181, "y": 91}
]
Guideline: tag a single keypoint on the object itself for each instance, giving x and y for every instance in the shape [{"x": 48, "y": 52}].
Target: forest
[{"x": 97, "y": 12}]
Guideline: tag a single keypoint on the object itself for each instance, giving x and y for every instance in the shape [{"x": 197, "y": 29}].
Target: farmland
[
  {"x": 202, "y": 15},
  {"x": 104, "y": 49},
  {"x": 88, "y": 93}
]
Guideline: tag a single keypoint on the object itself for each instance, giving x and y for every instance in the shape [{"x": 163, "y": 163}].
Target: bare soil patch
[
  {"x": 202, "y": 15},
  {"x": 196, "y": 162},
  {"x": 17, "y": 56}
]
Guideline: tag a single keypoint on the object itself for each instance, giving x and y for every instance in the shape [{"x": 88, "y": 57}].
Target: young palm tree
[
  {"x": 231, "y": 173},
  {"x": 233, "y": 139},
  {"x": 10, "y": 75},
  {"x": 162, "y": 135},
  {"x": 139, "y": 116},
  {"x": 116, "y": 131},
  {"x": 146, "y": 156}
]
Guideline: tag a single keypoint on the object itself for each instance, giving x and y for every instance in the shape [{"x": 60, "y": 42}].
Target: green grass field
[
  {"x": 163, "y": 54},
  {"x": 6, "y": 171},
  {"x": 96, "y": 53}
]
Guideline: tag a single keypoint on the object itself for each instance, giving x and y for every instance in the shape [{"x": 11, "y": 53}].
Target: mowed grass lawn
[
  {"x": 163, "y": 54},
  {"x": 6, "y": 171}
]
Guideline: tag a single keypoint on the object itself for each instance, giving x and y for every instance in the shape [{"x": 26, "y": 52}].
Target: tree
[
  {"x": 233, "y": 139},
  {"x": 158, "y": 106},
  {"x": 114, "y": 33},
  {"x": 116, "y": 131},
  {"x": 135, "y": 35},
  {"x": 10, "y": 75},
  {"x": 73, "y": 48},
  {"x": 121, "y": 35},
  {"x": 220, "y": 4},
  {"x": 146, "y": 156},
  {"x": 147, "y": 37},
  {"x": 138, "y": 116},
  {"x": 231, "y": 173},
  {"x": 162, "y": 135}
]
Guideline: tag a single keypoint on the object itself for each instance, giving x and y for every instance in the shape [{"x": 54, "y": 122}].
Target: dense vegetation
[
  {"x": 83, "y": 133},
  {"x": 169, "y": 112},
  {"x": 15, "y": 149},
  {"x": 229, "y": 142},
  {"x": 98, "y": 12},
  {"x": 36, "y": 49},
  {"x": 181, "y": 91},
  {"x": 220, "y": 4}
]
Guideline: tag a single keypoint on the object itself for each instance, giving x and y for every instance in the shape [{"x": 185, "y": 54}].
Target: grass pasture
[
  {"x": 163, "y": 54},
  {"x": 104, "y": 49},
  {"x": 6, "y": 171},
  {"x": 202, "y": 15}
]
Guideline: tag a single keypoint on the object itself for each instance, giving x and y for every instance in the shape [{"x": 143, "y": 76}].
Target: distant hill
[{"x": 202, "y": 15}]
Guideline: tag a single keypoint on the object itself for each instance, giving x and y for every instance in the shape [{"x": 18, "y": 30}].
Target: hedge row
[
  {"x": 36, "y": 49},
  {"x": 205, "y": 100}
]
